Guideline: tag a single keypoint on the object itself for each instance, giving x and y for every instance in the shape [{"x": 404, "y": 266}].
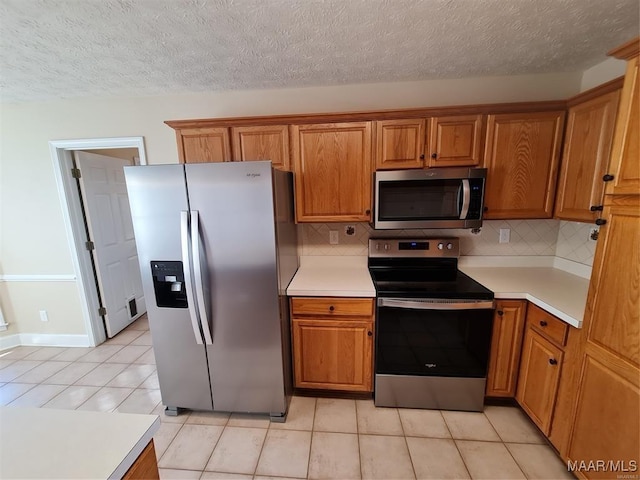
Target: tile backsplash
[
  {"x": 574, "y": 242},
  {"x": 569, "y": 240}
]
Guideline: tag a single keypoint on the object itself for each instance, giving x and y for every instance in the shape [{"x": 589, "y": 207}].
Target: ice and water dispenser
[{"x": 168, "y": 284}]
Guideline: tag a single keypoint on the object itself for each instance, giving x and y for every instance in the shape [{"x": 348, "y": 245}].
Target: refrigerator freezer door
[
  {"x": 234, "y": 202},
  {"x": 158, "y": 195}
]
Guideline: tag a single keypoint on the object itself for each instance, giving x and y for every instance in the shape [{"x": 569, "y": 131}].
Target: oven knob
[
  {"x": 440, "y": 246},
  {"x": 449, "y": 246},
  {"x": 387, "y": 246},
  {"x": 377, "y": 246}
]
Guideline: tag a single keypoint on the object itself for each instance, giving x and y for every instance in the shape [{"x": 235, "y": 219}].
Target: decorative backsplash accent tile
[
  {"x": 528, "y": 237},
  {"x": 574, "y": 242}
]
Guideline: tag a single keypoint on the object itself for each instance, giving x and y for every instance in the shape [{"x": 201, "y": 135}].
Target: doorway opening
[{"x": 90, "y": 278}]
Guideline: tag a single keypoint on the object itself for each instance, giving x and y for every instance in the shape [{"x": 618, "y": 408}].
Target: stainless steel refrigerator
[{"x": 217, "y": 249}]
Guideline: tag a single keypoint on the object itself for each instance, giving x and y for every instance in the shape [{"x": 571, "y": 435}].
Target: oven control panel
[{"x": 415, "y": 247}]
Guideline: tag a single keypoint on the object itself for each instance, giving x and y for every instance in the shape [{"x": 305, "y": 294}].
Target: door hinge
[
  {"x": 75, "y": 173},
  {"x": 89, "y": 244},
  {"x": 102, "y": 311}
]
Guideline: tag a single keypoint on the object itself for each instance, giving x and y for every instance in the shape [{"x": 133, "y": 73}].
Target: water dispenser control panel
[{"x": 168, "y": 284}]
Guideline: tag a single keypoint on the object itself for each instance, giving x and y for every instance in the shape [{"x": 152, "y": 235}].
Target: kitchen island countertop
[{"x": 49, "y": 443}]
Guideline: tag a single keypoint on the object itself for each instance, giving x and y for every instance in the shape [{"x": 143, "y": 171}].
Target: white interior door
[{"x": 106, "y": 206}]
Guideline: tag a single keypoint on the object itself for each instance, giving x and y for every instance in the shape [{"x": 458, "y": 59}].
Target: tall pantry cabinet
[{"x": 607, "y": 399}]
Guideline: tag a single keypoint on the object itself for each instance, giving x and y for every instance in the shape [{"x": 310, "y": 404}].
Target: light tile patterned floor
[{"x": 323, "y": 438}]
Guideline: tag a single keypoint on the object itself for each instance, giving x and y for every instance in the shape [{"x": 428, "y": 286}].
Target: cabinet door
[
  {"x": 608, "y": 393},
  {"x": 585, "y": 158},
  {"x": 624, "y": 165},
  {"x": 521, "y": 155},
  {"x": 400, "y": 144},
  {"x": 333, "y": 354},
  {"x": 455, "y": 141},
  {"x": 262, "y": 143},
  {"x": 539, "y": 376},
  {"x": 506, "y": 345},
  {"x": 200, "y": 145},
  {"x": 332, "y": 164}
]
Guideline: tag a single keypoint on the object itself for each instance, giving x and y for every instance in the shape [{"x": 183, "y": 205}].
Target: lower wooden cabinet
[
  {"x": 540, "y": 367},
  {"x": 333, "y": 343},
  {"x": 506, "y": 346}
]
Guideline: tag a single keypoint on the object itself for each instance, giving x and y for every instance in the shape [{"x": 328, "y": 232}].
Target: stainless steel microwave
[{"x": 429, "y": 198}]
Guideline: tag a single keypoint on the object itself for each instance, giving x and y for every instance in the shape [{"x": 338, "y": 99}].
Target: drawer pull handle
[
  {"x": 543, "y": 323},
  {"x": 500, "y": 312},
  {"x": 369, "y": 333},
  {"x": 332, "y": 308},
  {"x": 553, "y": 361}
]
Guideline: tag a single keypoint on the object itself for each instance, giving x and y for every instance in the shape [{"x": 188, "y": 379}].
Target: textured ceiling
[{"x": 68, "y": 48}]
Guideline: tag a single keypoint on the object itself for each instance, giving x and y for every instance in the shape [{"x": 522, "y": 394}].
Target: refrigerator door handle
[
  {"x": 197, "y": 276},
  {"x": 186, "y": 262}
]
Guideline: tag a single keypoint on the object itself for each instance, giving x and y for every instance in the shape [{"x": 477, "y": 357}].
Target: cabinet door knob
[
  {"x": 553, "y": 361},
  {"x": 367, "y": 212},
  {"x": 422, "y": 157},
  {"x": 369, "y": 333},
  {"x": 485, "y": 209},
  {"x": 600, "y": 221},
  {"x": 434, "y": 155},
  {"x": 543, "y": 323},
  {"x": 596, "y": 208},
  {"x": 500, "y": 312},
  {"x": 332, "y": 308},
  {"x": 607, "y": 178}
]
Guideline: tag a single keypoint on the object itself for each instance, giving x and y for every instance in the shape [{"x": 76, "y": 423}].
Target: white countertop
[
  {"x": 557, "y": 291},
  {"x": 332, "y": 276},
  {"x": 556, "y": 285},
  {"x": 48, "y": 443}
]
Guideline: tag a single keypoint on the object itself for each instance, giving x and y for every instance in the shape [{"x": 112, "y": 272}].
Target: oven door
[
  {"x": 431, "y": 337},
  {"x": 432, "y": 353}
]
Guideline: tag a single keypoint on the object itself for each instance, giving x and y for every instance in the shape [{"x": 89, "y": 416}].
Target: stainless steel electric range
[{"x": 433, "y": 326}]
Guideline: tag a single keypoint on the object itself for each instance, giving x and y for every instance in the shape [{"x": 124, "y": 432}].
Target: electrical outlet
[
  {"x": 43, "y": 316},
  {"x": 333, "y": 237},
  {"x": 505, "y": 235},
  {"x": 349, "y": 230}
]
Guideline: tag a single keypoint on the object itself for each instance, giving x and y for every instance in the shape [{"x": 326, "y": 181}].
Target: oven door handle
[
  {"x": 435, "y": 304},
  {"x": 466, "y": 199}
]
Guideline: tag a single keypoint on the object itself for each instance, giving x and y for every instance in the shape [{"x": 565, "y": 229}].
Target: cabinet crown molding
[{"x": 627, "y": 50}]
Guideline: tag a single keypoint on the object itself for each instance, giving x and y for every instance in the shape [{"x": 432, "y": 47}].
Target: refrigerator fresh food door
[
  {"x": 159, "y": 209},
  {"x": 234, "y": 205}
]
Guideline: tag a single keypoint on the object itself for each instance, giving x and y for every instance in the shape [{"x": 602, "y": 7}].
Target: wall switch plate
[
  {"x": 43, "y": 316},
  {"x": 333, "y": 237},
  {"x": 349, "y": 230},
  {"x": 505, "y": 235}
]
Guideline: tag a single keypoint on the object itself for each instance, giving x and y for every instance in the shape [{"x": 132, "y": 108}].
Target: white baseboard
[{"x": 44, "y": 340}]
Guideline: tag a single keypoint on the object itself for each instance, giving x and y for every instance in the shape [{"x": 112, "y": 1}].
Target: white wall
[
  {"x": 33, "y": 240},
  {"x": 602, "y": 72}
]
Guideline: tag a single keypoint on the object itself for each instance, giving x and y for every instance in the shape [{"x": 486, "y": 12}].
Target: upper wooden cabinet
[
  {"x": 506, "y": 345},
  {"x": 207, "y": 144},
  {"x": 624, "y": 165},
  {"x": 269, "y": 142},
  {"x": 585, "y": 158},
  {"x": 400, "y": 144},
  {"x": 522, "y": 154},
  {"x": 455, "y": 141},
  {"x": 332, "y": 165}
]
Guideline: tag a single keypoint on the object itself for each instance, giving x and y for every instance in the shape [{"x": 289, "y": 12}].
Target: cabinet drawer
[
  {"x": 549, "y": 326},
  {"x": 356, "y": 307}
]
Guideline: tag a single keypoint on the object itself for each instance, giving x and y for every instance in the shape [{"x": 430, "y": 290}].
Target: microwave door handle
[
  {"x": 197, "y": 276},
  {"x": 188, "y": 284},
  {"x": 466, "y": 199}
]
